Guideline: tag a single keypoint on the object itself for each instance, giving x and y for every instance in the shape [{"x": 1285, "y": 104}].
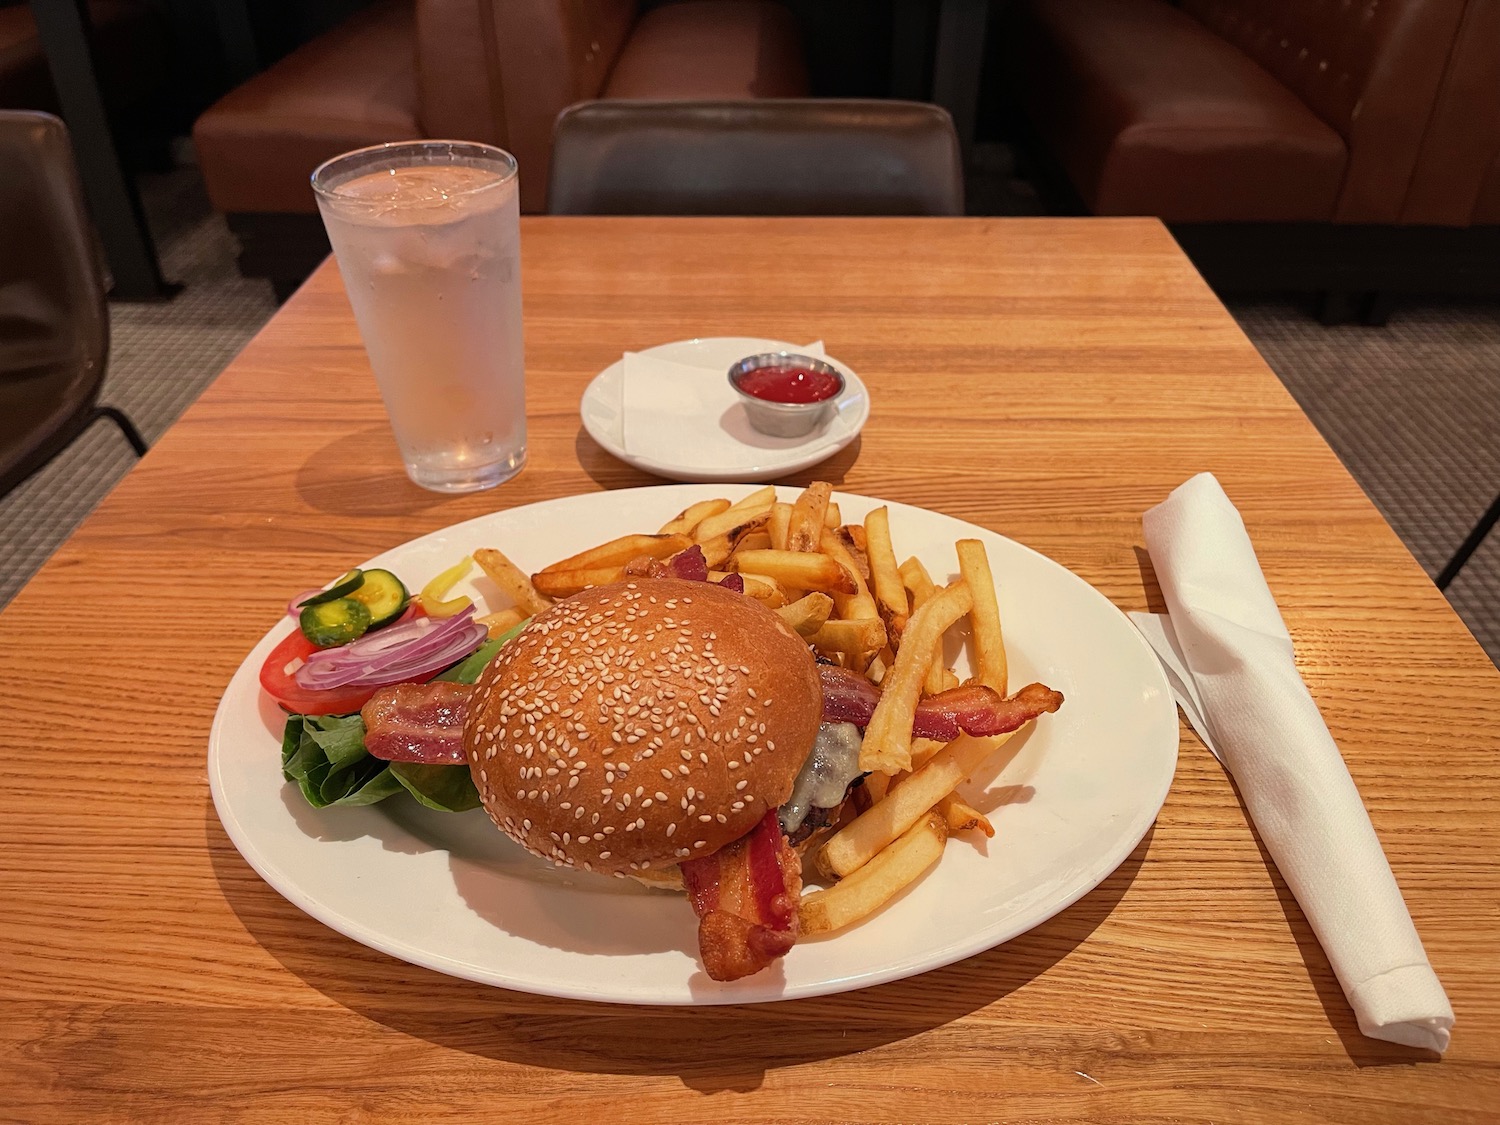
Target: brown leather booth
[
  {"x": 497, "y": 71},
  {"x": 1289, "y": 142}
]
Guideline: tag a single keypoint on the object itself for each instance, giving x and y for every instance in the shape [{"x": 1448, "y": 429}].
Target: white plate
[
  {"x": 755, "y": 458},
  {"x": 448, "y": 891}
]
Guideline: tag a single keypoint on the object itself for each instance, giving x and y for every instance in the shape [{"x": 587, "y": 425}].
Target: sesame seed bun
[{"x": 636, "y": 725}]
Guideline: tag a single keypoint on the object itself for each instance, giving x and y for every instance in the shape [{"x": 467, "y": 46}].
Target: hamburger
[
  {"x": 674, "y": 731},
  {"x": 637, "y": 726}
]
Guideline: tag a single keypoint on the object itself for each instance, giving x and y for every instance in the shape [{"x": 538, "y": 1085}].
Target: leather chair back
[
  {"x": 537, "y": 56},
  {"x": 1369, "y": 68},
  {"x": 54, "y": 325},
  {"x": 764, "y": 157}
]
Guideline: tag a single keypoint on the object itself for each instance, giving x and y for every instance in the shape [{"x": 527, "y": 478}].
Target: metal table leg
[
  {"x": 111, "y": 195},
  {"x": 241, "y": 55},
  {"x": 911, "y": 50},
  {"x": 958, "y": 63}
]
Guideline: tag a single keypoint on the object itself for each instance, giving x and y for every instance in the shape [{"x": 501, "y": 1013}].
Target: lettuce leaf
[{"x": 326, "y": 756}]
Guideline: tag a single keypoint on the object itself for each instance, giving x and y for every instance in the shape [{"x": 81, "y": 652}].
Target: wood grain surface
[{"x": 1048, "y": 379}]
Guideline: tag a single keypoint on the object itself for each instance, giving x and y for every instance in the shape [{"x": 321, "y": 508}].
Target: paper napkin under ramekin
[
  {"x": 1229, "y": 657},
  {"x": 674, "y": 412}
]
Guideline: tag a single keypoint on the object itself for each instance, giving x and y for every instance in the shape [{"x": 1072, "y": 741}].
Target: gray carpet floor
[{"x": 1412, "y": 408}]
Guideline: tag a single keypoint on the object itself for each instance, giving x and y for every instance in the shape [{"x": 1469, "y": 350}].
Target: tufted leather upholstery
[
  {"x": 489, "y": 70},
  {"x": 354, "y": 86},
  {"x": 1369, "y": 68},
  {"x": 1230, "y": 109},
  {"x": 1151, "y": 113},
  {"x": 501, "y": 70},
  {"x": 1457, "y": 178}
]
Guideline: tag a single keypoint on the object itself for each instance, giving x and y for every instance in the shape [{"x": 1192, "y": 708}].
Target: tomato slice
[{"x": 282, "y": 686}]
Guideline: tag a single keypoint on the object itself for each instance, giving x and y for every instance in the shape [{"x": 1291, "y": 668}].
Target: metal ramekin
[{"x": 785, "y": 419}]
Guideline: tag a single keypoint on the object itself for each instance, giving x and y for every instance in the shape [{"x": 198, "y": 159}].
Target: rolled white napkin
[{"x": 1229, "y": 654}]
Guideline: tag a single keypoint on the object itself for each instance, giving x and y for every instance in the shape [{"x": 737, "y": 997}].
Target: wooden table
[{"x": 1048, "y": 379}]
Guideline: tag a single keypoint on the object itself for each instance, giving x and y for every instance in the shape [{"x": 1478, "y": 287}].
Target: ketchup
[{"x": 789, "y": 384}]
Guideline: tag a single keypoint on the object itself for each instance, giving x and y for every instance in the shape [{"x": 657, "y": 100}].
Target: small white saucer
[{"x": 752, "y": 456}]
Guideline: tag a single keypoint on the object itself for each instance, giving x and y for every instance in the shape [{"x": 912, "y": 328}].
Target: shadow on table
[
  {"x": 609, "y": 471},
  {"x": 1155, "y": 601},
  {"x": 342, "y": 478},
  {"x": 1362, "y": 1051},
  {"x": 709, "y": 1049}
]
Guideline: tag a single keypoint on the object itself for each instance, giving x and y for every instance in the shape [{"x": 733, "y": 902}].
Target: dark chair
[
  {"x": 766, "y": 157},
  {"x": 54, "y": 324}
]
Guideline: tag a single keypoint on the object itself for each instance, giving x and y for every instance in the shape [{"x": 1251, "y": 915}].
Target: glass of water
[{"x": 427, "y": 238}]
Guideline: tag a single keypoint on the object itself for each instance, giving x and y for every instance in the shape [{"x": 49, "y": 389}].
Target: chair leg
[
  {"x": 1470, "y": 545},
  {"x": 127, "y": 427}
]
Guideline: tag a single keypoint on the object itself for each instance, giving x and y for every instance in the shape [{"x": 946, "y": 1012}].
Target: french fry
[
  {"x": 832, "y": 517},
  {"x": 718, "y": 549},
  {"x": 962, "y": 817},
  {"x": 923, "y": 750},
  {"x": 806, "y": 526},
  {"x": 858, "y": 842},
  {"x": 859, "y": 602},
  {"x": 748, "y": 509},
  {"x": 890, "y": 594},
  {"x": 879, "y": 665},
  {"x": 512, "y": 579},
  {"x": 765, "y": 590},
  {"x": 806, "y": 615},
  {"x": 876, "y": 882},
  {"x": 856, "y": 638},
  {"x": 618, "y": 552},
  {"x": 876, "y": 786},
  {"x": 780, "y": 525},
  {"x": 758, "y": 501},
  {"x": 887, "y": 744},
  {"x": 799, "y": 570},
  {"x": 564, "y": 583},
  {"x": 757, "y": 540},
  {"x": 920, "y": 587},
  {"x": 950, "y": 679},
  {"x": 502, "y": 622},
  {"x": 687, "y": 521},
  {"x": 984, "y": 618},
  {"x": 918, "y": 583},
  {"x": 853, "y": 535}
]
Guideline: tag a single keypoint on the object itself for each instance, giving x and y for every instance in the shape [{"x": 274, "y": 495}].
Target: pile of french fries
[{"x": 839, "y": 586}]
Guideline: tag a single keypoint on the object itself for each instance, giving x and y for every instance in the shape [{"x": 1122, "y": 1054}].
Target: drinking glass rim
[{"x": 331, "y": 191}]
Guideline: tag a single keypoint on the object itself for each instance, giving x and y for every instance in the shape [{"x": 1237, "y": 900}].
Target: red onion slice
[
  {"x": 294, "y": 607},
  {"x": 403, "y": 651}
]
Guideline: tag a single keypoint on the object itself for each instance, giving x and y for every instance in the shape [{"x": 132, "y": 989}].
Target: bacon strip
[
  {"x": 425, "y": 722},
  {"x": 745, "y": 896},
  {"x": 980, "y": 710},
  {"x": 850, "y": 698},
  {"x": 418, "y": 723}
]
